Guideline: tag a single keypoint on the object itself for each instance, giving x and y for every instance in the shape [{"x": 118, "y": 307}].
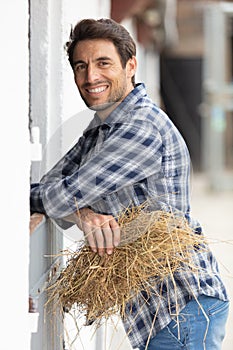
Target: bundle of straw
[{"x": 153, "y": 244}]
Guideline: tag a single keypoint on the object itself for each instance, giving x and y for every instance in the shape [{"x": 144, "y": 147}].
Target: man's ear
[{"x": 131, "y": 67}]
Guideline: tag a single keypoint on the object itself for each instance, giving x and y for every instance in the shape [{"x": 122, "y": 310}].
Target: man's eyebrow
[
  {"x": 77, "y": 62},
  {"x": 102, "y": 58}
]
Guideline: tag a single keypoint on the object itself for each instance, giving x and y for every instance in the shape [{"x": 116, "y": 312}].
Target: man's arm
[{"x": 129, "y": 155}]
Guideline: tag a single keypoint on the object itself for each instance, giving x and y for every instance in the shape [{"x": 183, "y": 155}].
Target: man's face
[{"x": 99, "y": 75}]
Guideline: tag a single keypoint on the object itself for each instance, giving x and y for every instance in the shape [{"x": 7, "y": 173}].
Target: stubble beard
[{"x": 114, "y": 98}]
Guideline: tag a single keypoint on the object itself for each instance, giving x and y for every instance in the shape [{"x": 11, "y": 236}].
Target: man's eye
[
  {"x": 103, "y": 63},
  {"x": 80, "y": 67}
]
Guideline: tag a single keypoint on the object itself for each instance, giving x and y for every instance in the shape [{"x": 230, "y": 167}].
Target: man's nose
[{"x": 92, "y": 73}]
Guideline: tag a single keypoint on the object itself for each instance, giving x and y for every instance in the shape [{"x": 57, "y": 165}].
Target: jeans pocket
[
  {"x": 217, "y": 307},
  {"x": 177, "y": 331}
]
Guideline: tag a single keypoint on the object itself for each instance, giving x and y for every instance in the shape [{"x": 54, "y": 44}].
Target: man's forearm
[
  {"x": 36, "y": 203},
  {"x": 74, "y": 218}
]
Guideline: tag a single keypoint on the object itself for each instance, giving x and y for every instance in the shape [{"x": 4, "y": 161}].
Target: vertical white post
[{"x": 14, "y": 175}]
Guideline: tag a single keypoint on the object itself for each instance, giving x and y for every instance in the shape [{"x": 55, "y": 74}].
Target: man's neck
[{"x": 103, "y": 114}]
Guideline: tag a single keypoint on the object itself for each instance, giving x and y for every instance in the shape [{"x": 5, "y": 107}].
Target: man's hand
[{"x": 101, "y": 231}]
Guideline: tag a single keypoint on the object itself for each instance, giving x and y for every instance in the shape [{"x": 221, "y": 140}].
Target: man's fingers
[
  {"x": 102, "y": 231},
  {"x": 99, "y": 240},
  {"x": 95, "y": 238},
  {"x": 111, "y": 232},
  {"x": 90, "y": 236},
  {"x": 108, "y": 236},
  {"x": 116, "y": 232}
]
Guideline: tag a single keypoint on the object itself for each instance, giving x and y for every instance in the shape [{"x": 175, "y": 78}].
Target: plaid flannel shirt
[{"x": 135, "y": 155}]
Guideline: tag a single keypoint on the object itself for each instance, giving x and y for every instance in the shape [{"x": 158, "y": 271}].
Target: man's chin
[{"x": 101, "y": 107}]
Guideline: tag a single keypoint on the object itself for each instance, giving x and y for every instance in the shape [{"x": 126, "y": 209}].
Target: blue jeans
[{"x": 197, "y": 330}]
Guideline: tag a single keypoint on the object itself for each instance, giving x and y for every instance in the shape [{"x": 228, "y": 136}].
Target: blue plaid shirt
[{"x": 135, "y": 155}]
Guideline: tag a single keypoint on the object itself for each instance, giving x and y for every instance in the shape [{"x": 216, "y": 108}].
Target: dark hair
[{"x": 103, "y": 28}]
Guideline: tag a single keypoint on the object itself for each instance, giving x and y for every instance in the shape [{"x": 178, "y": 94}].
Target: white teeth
[{"x": 100, "y": 89}]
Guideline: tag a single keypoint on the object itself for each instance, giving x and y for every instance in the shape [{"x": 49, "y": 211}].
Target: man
[{"x": 131, "y": 153}]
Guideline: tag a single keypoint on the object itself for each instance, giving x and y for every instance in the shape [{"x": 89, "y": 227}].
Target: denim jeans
[{"x": 196, "y": 330}]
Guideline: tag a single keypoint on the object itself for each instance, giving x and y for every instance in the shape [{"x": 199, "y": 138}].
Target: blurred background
[{"x": 185, "y": 55}]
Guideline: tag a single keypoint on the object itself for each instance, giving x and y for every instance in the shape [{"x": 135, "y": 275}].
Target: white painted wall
[
  {"x": 55, "y": 101},
  {"x": 14, "y": 176},
  {"x": 46, "y": 50}
]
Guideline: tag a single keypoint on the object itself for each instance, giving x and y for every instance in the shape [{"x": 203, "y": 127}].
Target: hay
[{"x": 152, "y": 244}]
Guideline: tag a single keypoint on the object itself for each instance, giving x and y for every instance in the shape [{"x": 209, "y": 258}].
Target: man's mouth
[{"x": 97, "y": 90}]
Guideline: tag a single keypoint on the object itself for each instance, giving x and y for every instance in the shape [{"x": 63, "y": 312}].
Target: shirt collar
[{"x": 125, "y": 106}]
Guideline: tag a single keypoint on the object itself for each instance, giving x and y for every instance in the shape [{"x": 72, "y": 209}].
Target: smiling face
[{"x": 99, "y": 75}]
